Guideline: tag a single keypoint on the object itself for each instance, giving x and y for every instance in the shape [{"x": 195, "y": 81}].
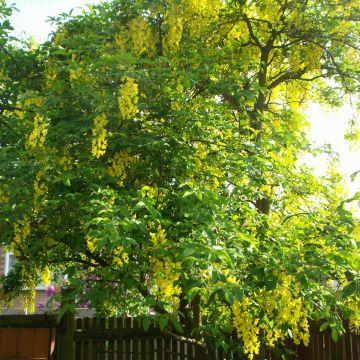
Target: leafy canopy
[{"x": 151, "y": 151}]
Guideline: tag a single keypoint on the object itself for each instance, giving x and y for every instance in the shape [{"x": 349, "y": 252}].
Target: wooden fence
[
  {"x": 122, "y": 339},
  {"x": 23, "y": 337},
  {"x": 33, "y": 337},
  {"x": 322, "y": 347}
]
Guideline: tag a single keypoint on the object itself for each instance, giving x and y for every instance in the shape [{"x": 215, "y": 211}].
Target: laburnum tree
[{"x": 151, "y": 151}]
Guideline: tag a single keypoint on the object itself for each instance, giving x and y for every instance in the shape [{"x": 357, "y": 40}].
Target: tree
[{"x": 151, "y": 151}]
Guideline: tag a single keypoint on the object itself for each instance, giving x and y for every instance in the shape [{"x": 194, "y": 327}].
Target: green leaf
[
  {"x": 177, "y": 325},
  {"x": 146, "y": 324},
  {"x": 324, "y": 326},
  {"x": 334, "y": 334},
  {"x": 163, "y": 321},
  {"x": 349, "y": 290}
]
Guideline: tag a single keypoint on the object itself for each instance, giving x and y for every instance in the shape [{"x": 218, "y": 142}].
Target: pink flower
[
  {"x": 56, "y": 305},
  {"x": 50, "y": 291},
  {"x": 40, "y": 306},
  {"x": 94, "y": 277},
  {"x": 85, "y": 305}
]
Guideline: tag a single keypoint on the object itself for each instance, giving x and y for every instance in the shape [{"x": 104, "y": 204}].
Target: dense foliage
[{"x": 151, "y": 151}]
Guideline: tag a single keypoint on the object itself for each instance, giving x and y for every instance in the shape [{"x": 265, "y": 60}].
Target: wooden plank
[
  {"x": 151, "y": 349},
  {"x": 31, "y": 321},
  {"x": 8, "y": 342},
  {"x": 348, "y": 346},
  {"x": 94, "y": 342},
  {"x": 121, "y": 343},
  {"x": 25, "y": 343},
  {"x": 102, "y": 342},
  {"x": 78, "y": 343},
  {"x": 357, "y": 347},
  {"x": 144, "y": 343},
  {"x": 42, "y": 342},
  {"x": 66, "y": 335},
  {"x": 111, "y": 342},
  {"x": 351, "y": 353},
  {"x": 128, "y": 341},
  {"x": 183, "y": 350},
  {"x": 137, "y": 350},
  {"x": 125, "y": 333},
  {"x": 174, "y": 349},
  {"x": 160, "y": 344},
  {"x": 167, "y": 348},
  {"x": 85, "y": 344}
]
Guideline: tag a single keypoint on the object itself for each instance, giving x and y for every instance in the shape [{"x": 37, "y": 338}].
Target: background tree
[{"x": 151, "y": 151}]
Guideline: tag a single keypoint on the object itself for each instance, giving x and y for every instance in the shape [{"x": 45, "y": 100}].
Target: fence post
[
  {"x": 66, "y": 329},
  {"x": 66, "y": 336}
]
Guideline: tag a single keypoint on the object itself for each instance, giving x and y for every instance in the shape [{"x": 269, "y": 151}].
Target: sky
[{"x": 326, "y": 126}]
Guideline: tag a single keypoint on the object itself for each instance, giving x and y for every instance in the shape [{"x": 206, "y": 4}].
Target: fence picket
[
  {"x": 111, "y": 343},
  {"x": 123, "y": 339},
  {"x": 79, "y": 344}
]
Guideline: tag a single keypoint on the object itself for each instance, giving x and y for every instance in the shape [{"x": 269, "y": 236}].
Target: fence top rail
[{"x": 33, "y": 321}]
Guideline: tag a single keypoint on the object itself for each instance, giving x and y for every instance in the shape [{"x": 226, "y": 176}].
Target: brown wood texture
[
  {"x": 124, "y": 339},
  {"x": 25, "y": 343}
]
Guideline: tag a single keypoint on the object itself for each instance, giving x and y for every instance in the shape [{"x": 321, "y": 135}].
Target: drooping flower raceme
[
  {"x": 99, "y": 141},
  {"x": 128, "y": 99}
]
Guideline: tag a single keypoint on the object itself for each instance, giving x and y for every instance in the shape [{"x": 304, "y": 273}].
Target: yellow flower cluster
[
  {"x": 120, "y": 257},
  {"x": 158, "y": 238},
  {"x": 246, "y": 327},
  {"x": 65, "y": 160},
  {"x": 29, "y": 298},
  {"x": 165, "y": 271},
  {"x": 51, "y": 73},
  {"x": 40, "y": 189},
  {"x": 99, "y": 142},
  {"x": 142, "y": 39},
  {"x": 46, "y": 276},
  {"x": 174, "y": 24},
  {"x": 354, "y": 318},
  {"x": 200, "y": 13},
  {"x": 21, "y": 230},
  {"x": 4, "y": 197},
  {"x": 313, "y": 55},
  {"x": 285, "y": 307},
  {"x": 38, "y": 136},
  {"x": 128, "y": 99},
  {"x": 118, "y": 165},
  {"x": 354, "y": 323},
  {"x": 33, "y": 99},
  {"x": 91, "y": 243},
  {"x": 165, "y": 274}
]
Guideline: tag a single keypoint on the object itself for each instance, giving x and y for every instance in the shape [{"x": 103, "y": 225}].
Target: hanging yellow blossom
[
  {"x": 99, "y": 142},
  {"x": 91, "y": 244},
  {"x": 120, "y": 257},
  {"x": 128, "y": 99},
  {"x": 247, "y": 327},
  {"x": 21, "y": 230},
  {"x": 40, "y": 189},
  {"x": 174, "y": 25},
  {"x": 65, "y": 160},
  {"x": 118, "y": 165},
  {"x": 165, "y": 274},
  {"x": 284, "y": 305},
  {"x": 354, "y": 318},
  {"x": 38, "y": 136},
  {"x": 158, "y": 238},
  {"x": 4, "y": 197},
  {"x": 29, "y": 298},
  {"x": 165, "y": 271},
  {"x": 142, "y": 39},
  {"x": 46, "y": 276}
]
